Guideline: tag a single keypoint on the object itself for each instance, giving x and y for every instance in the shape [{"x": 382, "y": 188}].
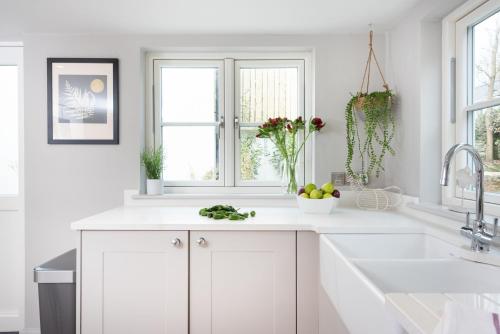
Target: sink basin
[
  {"x": 357, "y": 270},
  {"x": 437, "y": 276},
  {"x": 392, "y": 246}
]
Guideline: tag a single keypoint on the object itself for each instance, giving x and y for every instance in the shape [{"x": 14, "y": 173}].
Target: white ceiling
[{"x": 200, "y": 16}]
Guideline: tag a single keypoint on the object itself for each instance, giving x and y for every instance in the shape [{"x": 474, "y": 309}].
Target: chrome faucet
[{"x": 480, "y": 237}]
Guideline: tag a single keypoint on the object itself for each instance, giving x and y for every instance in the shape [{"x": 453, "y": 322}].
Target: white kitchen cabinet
[
  {"x": 134, "y": 282},
  {"x": 242, "y": 282}
]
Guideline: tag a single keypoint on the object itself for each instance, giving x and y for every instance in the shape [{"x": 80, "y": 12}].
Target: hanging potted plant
[
  {"x": 284, "y": 134},
  {"x": 374, "y": 111},
  {"x": 152, "y": 160}
]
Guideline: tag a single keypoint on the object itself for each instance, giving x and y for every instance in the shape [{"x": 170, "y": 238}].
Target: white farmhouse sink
[
  {"x": 392, "y": 246},
  {"x": 358, "y": 269},
  {"x": 439, "y": 276}
]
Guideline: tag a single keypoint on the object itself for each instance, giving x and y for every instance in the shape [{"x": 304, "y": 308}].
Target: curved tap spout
[{"x": 478, "y": 165}]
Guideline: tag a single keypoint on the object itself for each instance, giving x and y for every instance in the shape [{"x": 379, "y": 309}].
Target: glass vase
[{"x": 289, "y": 177}]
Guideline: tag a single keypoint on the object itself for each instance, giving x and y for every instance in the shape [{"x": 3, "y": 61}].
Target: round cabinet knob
[
  {"x": 202, "y": 242},
  {"x": 176, "y": 242}
]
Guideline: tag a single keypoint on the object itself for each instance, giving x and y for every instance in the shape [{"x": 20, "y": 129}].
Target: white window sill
[
  {"x": 133, "y": 198},
  {"x": 213, "y": 196},
  {"x": 447, "y": 212},
  {"x": 438, "y": 210}
]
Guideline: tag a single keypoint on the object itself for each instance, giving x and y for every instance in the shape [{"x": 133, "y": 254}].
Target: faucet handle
[
  {"x": 467, "y": 226},
  {"x": 493, "y": 233},
  {"x": 495, "y": 227}
]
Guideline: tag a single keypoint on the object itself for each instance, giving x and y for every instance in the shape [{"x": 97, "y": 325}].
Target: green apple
[
  {"x": 328, "y": 188},
  {"x": 304, "y": 195},
  {"x": 316, "y": 194},
  {"x": 327, "y": 195},
  {"x": 309, "y": 188}
]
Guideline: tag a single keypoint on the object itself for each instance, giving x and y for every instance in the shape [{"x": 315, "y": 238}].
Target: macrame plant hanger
[
  {"x": 366, "y": 198},
  {"x": 364, "y": 90},
  {"x": 366, "y": 75}
]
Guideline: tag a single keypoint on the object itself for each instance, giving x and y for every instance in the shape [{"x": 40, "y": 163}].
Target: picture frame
[{"x": 82, "y": 101}]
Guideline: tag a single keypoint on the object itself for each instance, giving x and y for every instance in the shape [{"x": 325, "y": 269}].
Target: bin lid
[{"x": 61, "y": 269}]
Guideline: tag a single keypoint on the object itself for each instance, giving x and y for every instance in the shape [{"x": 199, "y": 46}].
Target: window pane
[
  {"x": 486, "y": 139},
  {"x": 259, "y": 159},
  {"x": 189, "y": 94},
  {"x": 9, "y": 174},
  {"x": 486, "y": 59},
  {"x": 268, "y": 92},
  {"x": 191, "y": 153},
  {"x": 264, "y": 93}
]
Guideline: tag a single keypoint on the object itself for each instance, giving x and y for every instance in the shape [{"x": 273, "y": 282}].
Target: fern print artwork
[{"x": 83, "y": 99}]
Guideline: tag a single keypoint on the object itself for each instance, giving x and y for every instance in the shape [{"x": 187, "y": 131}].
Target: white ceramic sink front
[
  {"x": 391, "y": 246},
  {"x": 357, "y": 270}
]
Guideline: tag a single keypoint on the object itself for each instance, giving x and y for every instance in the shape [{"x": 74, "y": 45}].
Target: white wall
[
  {"x": 414, "y": 69},
  {"x": 430, "y": 108},
  {"x": 68, "y": 182},
  {"x": 403, "y": 75}
]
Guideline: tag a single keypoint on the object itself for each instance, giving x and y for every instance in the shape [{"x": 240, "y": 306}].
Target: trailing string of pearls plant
[{"x": 371, "y": 112}]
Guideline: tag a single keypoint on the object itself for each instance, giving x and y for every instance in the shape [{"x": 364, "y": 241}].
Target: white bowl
[{"x": 318, "y": 206}]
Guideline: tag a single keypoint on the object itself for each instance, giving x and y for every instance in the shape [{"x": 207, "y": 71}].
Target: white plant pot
[{"x": 154, "y": 187}]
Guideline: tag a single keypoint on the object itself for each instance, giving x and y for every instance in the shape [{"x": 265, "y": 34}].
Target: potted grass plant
[{"x": 152, "y": 160}]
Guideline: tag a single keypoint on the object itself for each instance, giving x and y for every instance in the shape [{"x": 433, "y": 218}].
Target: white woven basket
[{"x": 379, "y": 199}]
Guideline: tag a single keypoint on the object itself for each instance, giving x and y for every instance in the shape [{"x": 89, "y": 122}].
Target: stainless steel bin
[{"x": 57, "y": 294}]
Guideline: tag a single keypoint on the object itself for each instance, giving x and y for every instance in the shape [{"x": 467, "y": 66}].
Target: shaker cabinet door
[
  {"x": 242, "y": 282},
  {"x": 134, "y": 282}
]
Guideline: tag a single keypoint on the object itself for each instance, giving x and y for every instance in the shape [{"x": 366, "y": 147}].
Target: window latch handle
[
  {"x": 220, "y": 124},
  {"x": 237, "y": 125}
]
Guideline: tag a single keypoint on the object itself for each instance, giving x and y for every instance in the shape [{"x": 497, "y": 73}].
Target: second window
[{"x": 206, "y": 115}]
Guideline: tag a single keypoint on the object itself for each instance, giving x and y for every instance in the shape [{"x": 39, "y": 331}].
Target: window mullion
[
  {"x": 190, "y": 124},
  {"x": 229, "y": 128},
  {"x": 483, "y": 105}
]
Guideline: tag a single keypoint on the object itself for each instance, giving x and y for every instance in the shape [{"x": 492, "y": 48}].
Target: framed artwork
[{"x": 82, "y": 97}]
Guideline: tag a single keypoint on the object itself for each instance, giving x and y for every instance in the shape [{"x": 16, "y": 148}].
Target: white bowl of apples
[{"x": 312, "y": 199}]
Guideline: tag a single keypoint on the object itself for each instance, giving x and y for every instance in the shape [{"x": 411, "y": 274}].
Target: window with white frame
[
  {"x": 205, "y": 114},
  {"x": 10, "y": 126},
  {"x": 477, "y": 41}
]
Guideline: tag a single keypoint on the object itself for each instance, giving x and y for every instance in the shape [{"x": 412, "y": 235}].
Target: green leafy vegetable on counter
[{"x": 225, "y": 212}]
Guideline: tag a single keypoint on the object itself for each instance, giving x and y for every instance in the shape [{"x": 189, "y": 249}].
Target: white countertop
[
  {"x": 418, "y": 313},
  {"x": 342, "y": 220}
]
